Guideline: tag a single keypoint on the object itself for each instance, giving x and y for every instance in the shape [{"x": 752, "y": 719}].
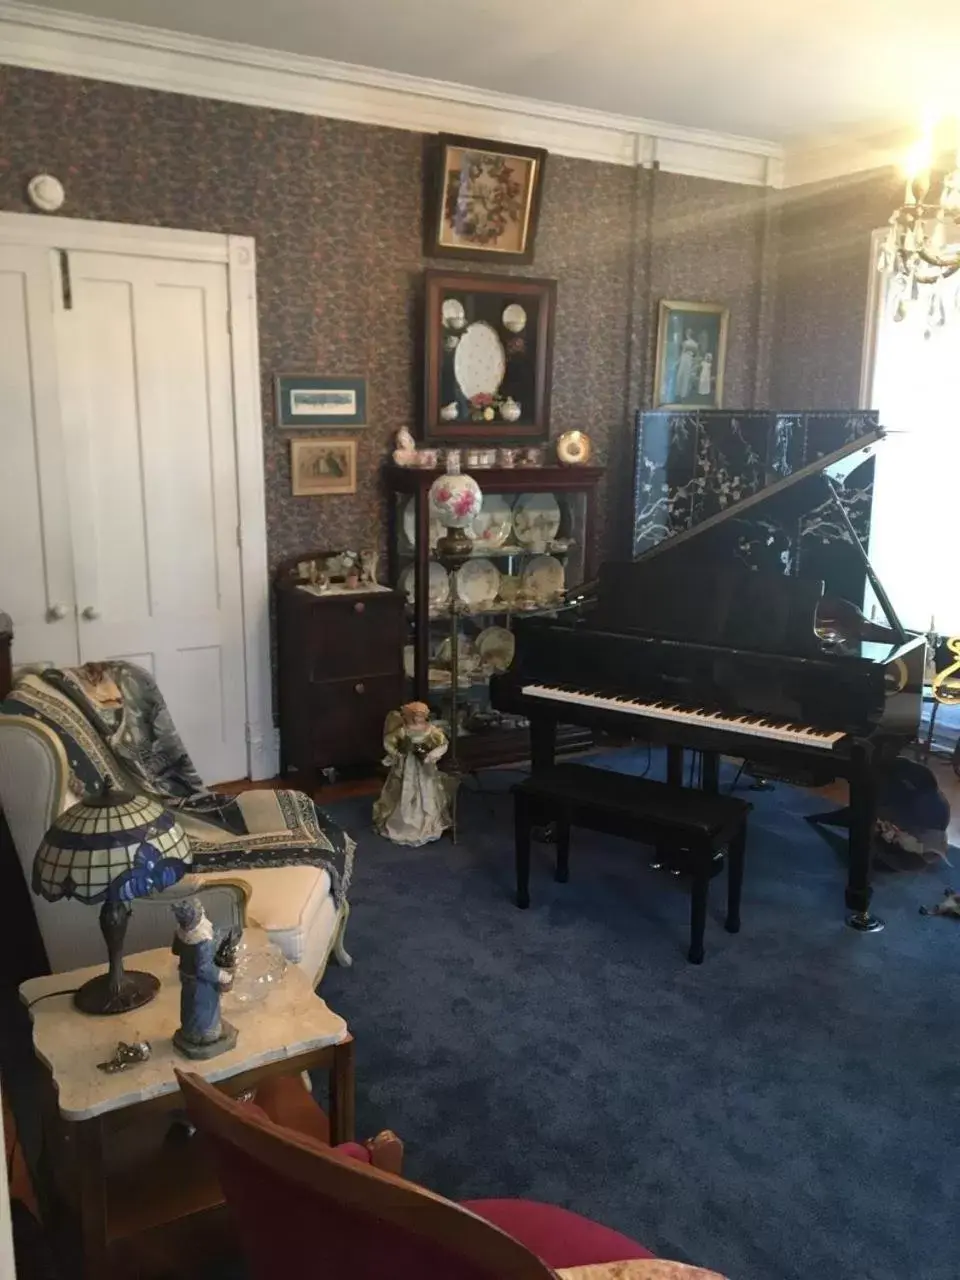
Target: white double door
[{"x": 118, "y": 479}]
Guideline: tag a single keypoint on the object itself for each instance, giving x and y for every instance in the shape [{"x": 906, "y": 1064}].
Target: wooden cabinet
[{"x": 340, "y": 670}]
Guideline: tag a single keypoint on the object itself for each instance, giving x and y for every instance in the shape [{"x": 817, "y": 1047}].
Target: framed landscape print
[
  {"x": 323, "y": 465},
  {"x": 691, "y": 351},
  {"x": 488, "y": 355},
  {"x": 483, "y": 201},
  {"x": 311, "y": 400}
]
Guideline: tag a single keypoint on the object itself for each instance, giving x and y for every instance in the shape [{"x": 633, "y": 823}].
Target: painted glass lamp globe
[
  {"x": 455, "y": 500},
  {"x": 105, "y": 851}
]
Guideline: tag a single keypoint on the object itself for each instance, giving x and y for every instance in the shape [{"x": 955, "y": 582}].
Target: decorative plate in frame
[{"x": 489, "y": 380}]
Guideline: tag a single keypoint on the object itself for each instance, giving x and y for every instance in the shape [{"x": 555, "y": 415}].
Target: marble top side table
[{"x": 118, "y": 1170}]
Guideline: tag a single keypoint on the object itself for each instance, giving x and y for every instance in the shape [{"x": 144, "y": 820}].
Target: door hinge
[{"x": 66, "y": 288}]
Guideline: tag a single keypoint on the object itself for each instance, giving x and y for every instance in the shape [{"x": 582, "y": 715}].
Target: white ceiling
[{"x": 770, "y": 69}]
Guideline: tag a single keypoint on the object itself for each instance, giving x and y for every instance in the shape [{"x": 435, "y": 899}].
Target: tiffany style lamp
[{"x": 107, "y": 850}]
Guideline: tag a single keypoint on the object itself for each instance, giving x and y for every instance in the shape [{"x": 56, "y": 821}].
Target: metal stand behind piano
[{"x": 690, "y": 647}]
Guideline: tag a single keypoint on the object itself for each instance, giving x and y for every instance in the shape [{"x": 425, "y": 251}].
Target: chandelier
[{"x": 921, "y": 251}]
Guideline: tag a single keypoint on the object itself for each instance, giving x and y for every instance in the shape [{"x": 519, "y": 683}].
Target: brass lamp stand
[{"x": 453, "y": 551}]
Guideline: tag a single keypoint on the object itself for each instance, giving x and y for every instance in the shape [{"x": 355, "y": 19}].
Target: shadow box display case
[{"x": 533, "y": 540}]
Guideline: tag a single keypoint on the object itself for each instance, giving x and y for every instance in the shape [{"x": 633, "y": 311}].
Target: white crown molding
[
  {"x": 825, "y": 159},
  {"x": 123, "y": 53}
]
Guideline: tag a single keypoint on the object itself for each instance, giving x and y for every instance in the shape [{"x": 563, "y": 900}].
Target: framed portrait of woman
[{"x": 691, "y": 352}]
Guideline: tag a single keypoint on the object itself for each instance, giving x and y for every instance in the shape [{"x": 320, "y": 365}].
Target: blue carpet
[{"x": 787, "y": 1111}]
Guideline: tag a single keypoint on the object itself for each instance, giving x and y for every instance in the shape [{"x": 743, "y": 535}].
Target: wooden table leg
[
  {"x": 92, "y": 1193},
  {"x": 342, "y": 1093}
]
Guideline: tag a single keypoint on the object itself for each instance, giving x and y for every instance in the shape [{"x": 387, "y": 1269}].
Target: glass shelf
[{"x": 567, "y": 507}]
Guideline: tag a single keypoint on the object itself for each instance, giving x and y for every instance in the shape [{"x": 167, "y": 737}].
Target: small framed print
[
  {"x": 691, "y": 352},
  {"x": 309, "y": 400},
  {"x": 322, "y": 465},
  {"x": 483, "y": 200}
]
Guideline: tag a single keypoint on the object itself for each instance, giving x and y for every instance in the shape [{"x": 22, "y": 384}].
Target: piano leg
[
  {"x": 862, "y": 820},
  {"x": 711, "y": 772},
  {"x": 675, "y": 766}
]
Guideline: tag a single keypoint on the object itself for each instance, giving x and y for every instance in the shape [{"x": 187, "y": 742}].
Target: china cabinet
[{"x": 533, "y": 540}]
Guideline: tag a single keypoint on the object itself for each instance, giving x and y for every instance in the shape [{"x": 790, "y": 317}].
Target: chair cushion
[
  {"x": 285, "y": 901},
  {"x": 559, "y": 1237}
]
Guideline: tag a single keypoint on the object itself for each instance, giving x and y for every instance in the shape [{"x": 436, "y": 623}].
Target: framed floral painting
[
  {"x": 483, "y": 200},
  {"x": 488, "y": 356}
]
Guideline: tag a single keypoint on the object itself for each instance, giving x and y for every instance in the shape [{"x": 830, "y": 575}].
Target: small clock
[{"x": 574, "y": 449}]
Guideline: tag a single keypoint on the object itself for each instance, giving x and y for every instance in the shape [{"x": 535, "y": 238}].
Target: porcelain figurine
[
  {"x": 405, "y": 454},
  {"x": 414, "y": 806},
  {"x": 352, "y": 579},
  {"x": 450, "y": 412},
  {"x": 368, "y": 568},
  {"x": 510, "y": 410},
  {"x": 202, "y": 1032}
]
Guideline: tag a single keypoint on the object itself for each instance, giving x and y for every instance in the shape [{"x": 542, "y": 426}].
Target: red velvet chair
[{"x": 303, "y": 1208}]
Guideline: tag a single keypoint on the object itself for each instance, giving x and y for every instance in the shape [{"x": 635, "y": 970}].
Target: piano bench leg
[
  {"x": 562, "y": 873},
  {"x": 521, "y": 818},
  {"x": 698, "y": 917},
  {"x": 735, "y": 855}
]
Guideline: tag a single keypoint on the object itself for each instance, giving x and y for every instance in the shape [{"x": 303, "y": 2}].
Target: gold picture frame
[
  {"x": 691, "y": 355},
  {"x": 323, "y": 465}
]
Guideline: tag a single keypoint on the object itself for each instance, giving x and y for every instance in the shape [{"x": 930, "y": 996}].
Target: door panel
[
  {"x": 36, "y": 573},
  {"x": 149, "y": 435}
]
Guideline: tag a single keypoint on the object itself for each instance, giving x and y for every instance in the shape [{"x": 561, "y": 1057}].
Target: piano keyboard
[{"x": 753, "y": 726}]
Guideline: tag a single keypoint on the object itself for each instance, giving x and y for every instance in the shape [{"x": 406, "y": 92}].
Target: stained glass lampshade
[{"x": 109, "y": 849}]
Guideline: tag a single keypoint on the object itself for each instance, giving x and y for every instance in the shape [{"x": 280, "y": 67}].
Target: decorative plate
[
  {"x": 467, "y": 659},
  {"x": 479, "y": 362},
  {"x": 478, "y": 582},
  {"x": 496, "y": 647},
  {"x": 543, "y": 578},
  {"x": 536, "y": 519},
  {"x": 438, "y": 589},
  {"x": 492, "y": 527},
  {"x": 574, "y": 448},
  {"x": 454, "y": 316},
  {"x": 514, "y": 318},
  {"x": 410, "y": 525}
]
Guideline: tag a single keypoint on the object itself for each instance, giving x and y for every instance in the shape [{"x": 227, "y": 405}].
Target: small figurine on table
[
  {"x": 202, "y": 1032},
  {"x": 415, "y": 805},
  {"x": 368, "y": 568}
]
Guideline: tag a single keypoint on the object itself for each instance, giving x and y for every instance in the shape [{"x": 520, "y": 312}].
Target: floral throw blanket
[{"x": 114, "y": 724}]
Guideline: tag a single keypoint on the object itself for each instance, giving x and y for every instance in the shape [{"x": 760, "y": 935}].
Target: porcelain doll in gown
[{"x": 414, "y": 806}]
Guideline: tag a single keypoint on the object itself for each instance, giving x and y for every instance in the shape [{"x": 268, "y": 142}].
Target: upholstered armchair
[
  {"x": 302, "y": 1208},
  {"x": 293, "y": 904}
]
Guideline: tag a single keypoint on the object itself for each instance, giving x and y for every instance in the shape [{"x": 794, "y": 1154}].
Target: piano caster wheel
[
  {"x": 864, "y": 922},
  {"x": 761, "y": 784},
  {"x": 695, "y": 957},
  {"x": 523, "y": 900},
  {"x": 547, "y": 834}
]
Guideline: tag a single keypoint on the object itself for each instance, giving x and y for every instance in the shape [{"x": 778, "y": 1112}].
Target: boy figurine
[{"x": 202, "y": 1032}]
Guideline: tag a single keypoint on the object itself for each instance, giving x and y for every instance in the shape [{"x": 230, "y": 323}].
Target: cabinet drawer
[
  {"x": 350, "y": 637},
  {"x": 346, "y": 718}
]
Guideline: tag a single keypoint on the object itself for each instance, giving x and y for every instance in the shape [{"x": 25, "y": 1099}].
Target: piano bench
[{"x": 690, "y": 829}]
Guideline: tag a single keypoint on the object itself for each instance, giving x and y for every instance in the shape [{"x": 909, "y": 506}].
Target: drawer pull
[
  {"x": 359, "y": 607},
  {"x": 359, "y": 688}
]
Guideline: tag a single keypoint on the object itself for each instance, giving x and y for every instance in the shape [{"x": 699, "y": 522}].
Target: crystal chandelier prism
[{"x": 921, "y": 251}]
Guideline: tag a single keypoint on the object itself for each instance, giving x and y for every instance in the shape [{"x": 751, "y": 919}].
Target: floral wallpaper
[
  {"x": 336, "y": 211},
  {"x": 821, "y": 291}
]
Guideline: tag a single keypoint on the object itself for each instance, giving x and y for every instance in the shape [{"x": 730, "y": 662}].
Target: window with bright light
[{"x": 914, "y": 382}]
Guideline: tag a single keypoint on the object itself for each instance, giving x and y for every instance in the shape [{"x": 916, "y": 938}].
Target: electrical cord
[{"x": 67, "y": 991}]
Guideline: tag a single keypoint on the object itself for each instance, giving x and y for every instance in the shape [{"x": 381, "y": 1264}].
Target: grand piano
[{"x": 721, "y": 634}]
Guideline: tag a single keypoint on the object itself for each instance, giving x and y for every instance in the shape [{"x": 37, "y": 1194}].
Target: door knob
[
  {"x": 90, "y": 613},
  {"x": 56, "y": 612}
]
